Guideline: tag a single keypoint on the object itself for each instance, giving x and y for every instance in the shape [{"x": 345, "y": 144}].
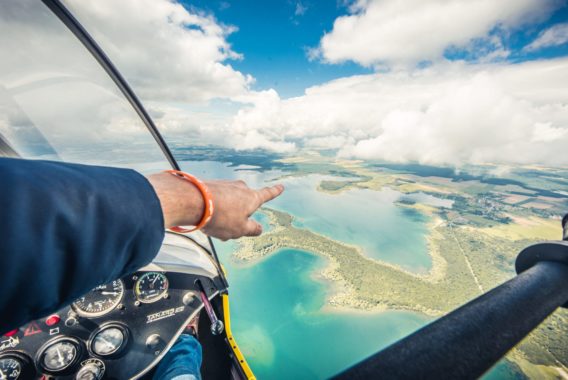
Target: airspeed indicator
[{"x": 101, "y": 300}]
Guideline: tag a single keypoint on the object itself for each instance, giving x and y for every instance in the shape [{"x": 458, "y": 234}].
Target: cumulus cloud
[
  {"x": 166, "y": 51},
  {"x": 175, "y": 59},
  {"x": 216, "y": 124},
  {"x": 406, "y": 32},
  {"x": 554, "y": 36},
  {"x": 449, "y": 114}
]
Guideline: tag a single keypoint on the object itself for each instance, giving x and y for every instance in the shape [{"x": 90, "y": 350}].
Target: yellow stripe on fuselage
[{"x": 232, "y": 342}]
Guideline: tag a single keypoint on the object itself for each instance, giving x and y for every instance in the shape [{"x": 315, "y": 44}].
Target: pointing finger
[{"x": 269, "y": 193}]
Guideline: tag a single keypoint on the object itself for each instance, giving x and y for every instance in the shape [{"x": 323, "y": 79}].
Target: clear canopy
[{"x": 57, "y": 103}]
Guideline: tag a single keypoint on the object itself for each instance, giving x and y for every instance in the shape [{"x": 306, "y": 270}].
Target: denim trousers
[{"x": 182, "y": 362}]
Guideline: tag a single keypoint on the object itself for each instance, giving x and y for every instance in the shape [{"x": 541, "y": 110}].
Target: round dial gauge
[
  {"x": 10, "y": 368},
  {"x": 100, "y": 300},
  {"x": 108, "y": 341},
  {"x": 59, "y": 356},
  {"x": 151, "y": 286}
]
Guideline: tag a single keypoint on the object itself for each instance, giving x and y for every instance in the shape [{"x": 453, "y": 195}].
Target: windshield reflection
[{"x": 57, "y": 103}]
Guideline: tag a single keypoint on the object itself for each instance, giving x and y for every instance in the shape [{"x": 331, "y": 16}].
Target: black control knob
[
  {"x": 189, "y": 298},
  {"x": 71, "y": 321}
]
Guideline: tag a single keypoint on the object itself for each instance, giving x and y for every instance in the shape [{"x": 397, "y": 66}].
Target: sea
[{"x": 278, "y": 304}]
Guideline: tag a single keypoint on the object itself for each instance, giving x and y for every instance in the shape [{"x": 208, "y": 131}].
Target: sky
[
  {"x": 275, "y": 38},
  {"x": 445, "y": 82}
]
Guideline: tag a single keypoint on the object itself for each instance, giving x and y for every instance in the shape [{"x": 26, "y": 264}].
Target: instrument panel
[{"x": 118, "y": 330}]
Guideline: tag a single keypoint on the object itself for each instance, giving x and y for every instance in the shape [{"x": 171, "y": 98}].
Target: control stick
[{"x": 217, "y": 326}]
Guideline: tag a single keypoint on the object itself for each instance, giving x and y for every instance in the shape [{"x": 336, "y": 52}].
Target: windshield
[{"x": 57, "y": 103}]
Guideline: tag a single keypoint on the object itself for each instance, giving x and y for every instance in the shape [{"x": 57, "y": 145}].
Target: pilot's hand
[{"x": 182, "y": 205}]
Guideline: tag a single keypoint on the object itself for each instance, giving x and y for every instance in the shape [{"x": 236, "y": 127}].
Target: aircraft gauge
[
  {"x": 59, "y": 356},
  {"x": 10, "y": 368},
  {"x": 151, "y": 286},
  {"x": 101, "y": 300},
  {"x": 109, "y": 341}
]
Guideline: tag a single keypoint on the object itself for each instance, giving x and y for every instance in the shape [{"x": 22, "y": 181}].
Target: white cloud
[
  {"x": 167, "y": 52},
  {"x": 175, "y": 59},
  {"x": 253, "y": 139},
  {"x": 405, "y": 32},
  {"x": 448, "y": 114},
  {"x": 554, "y": 36}
]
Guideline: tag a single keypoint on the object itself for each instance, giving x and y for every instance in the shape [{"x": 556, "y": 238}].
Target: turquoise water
[
  {"x": 367, "y": 218},
  {"x": 279, "y": 325},
  {"x": 281, "y": 329},
  {"x": 263, "y": 220},
  {"x": 276, "y": 304}
]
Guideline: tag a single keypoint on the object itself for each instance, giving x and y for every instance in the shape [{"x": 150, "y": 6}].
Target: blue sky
[{"x": 274, "y": 37}]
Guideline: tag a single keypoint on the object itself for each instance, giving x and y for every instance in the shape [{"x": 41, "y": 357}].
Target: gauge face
[
  {"x": 100, "y": 300},
  {"x": 108, "y": 341},
  {"x": 10, "y": 368},
  {"x": 59, "y": 356},
  {"x": 151, "y": 286}
]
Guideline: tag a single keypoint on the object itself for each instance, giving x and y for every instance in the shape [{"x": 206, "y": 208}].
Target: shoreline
[
  {"x": 341, "y": 295},
  {"x": 357, "y": 284}
]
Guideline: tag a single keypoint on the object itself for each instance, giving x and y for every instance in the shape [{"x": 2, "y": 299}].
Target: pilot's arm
[{"x": 66, "y": 228}]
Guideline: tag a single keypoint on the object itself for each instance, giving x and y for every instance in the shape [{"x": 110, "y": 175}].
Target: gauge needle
[
  {"x": 153, "y": 282},
  {"x": 109, "y": 293},
  {"x": 60, "y": 357},
  {"x": 109, "y": 344},
  {"x": 2, "y": 375}
]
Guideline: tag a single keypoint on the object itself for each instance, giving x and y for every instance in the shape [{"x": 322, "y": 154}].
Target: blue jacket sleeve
[{"x": 66, "y": 228}]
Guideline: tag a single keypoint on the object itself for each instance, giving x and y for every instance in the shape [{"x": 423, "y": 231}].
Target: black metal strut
[
  {"x": 470, "y": 340},
  {"x": 91, "y": 45}
]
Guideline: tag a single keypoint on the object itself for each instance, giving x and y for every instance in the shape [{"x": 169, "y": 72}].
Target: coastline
[
  {"x": 342, "y": 295},
  {"x": 357, "y": 283}
]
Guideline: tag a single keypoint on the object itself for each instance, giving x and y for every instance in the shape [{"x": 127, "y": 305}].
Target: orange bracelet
[{"x": 207, "y": 199}]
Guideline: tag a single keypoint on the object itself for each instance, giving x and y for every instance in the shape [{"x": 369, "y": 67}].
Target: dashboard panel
[{"x": 118, "y": 330}]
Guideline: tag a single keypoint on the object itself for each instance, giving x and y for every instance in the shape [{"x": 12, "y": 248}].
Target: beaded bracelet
[{"x": 207, "y": 199}]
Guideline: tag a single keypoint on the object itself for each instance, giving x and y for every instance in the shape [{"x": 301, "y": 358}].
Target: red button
[
  {"x": 52, "y": 320},
  {"x": 12, "y": 333}
]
